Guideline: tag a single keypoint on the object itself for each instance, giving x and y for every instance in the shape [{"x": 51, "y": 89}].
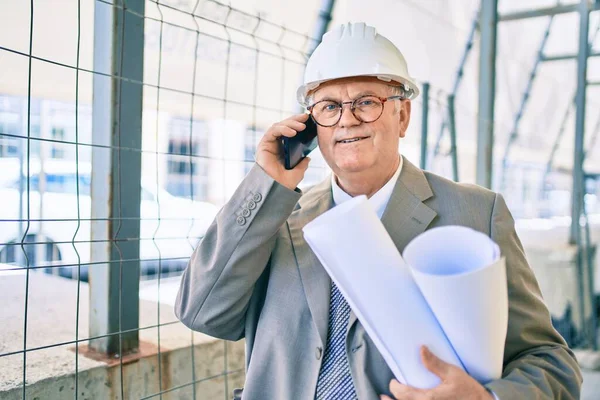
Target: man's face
[{"x": 377, "y": 151}]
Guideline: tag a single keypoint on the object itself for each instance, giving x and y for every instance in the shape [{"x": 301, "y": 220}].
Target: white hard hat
[{"x": 355, "y": 49}]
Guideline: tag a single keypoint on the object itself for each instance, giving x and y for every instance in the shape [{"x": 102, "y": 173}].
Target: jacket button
[
  {"x": 245, "y": 213},
  {"x": 251, "y": 204},
  {"x": 240, "y": 220},
  {"x": 319, "y": 352},
  {"x": 257, "y": 197}
]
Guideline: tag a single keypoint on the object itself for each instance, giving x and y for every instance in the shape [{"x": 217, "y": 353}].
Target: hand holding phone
[
  {"x": 269, "y": 151},
  {"x": 297, "y": 147}
]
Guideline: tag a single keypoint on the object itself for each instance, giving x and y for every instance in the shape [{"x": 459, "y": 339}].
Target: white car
[{"x": 64, "y": 231}]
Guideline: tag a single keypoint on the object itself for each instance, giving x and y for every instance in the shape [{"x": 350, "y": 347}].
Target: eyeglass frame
[{"x": 353, "y": 107}]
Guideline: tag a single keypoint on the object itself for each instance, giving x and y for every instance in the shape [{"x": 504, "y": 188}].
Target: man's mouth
[{"x": 356, "y": 139}]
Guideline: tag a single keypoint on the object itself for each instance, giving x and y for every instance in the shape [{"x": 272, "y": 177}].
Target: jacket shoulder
[
  {"x": 445, "y": 187},
  {"x": 462, "y": 203}
]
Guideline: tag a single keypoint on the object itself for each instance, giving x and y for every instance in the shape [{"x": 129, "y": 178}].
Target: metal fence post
[
  {"x": 487, "y": 90},
  {"x": 580, "y": 96},
  {"x": 116, "y": 172},
  {"x": 452, "y": 127},
  {"x": 424, "y": 125}
]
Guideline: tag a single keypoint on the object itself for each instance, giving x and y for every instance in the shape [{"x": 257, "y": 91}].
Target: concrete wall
[{"x": 141, "y": 376}]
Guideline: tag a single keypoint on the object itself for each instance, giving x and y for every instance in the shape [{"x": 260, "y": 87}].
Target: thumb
[{"x": 434, "y": 364}]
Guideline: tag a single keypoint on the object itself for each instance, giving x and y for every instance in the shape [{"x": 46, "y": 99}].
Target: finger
[
  {"x": 298, "y": 117},
  {"x": 295, "y": 125},
  {"x": 434, "y": 364},
  {"x": 384, "y": 397},
  {"x": 277, "y": 131},
  {"x": 405, "y": 392}
]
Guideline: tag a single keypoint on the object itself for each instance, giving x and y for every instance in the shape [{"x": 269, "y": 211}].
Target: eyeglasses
[{"x": 366, "y": 109}]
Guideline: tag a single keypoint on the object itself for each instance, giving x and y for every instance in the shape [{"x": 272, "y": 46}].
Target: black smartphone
[{"x": 299, "y": 146}]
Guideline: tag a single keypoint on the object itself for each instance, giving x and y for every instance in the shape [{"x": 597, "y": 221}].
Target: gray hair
[{"x": 399, "y": 90}]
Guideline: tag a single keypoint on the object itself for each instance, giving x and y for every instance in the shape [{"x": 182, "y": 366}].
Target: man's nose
[{"x": 347, "y": 119}]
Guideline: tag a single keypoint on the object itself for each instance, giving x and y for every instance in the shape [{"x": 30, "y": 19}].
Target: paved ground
[{"x": 591, "y": 385}]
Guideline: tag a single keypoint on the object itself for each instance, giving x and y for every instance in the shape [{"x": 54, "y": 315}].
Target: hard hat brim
[{"x": 304, "y": 90}]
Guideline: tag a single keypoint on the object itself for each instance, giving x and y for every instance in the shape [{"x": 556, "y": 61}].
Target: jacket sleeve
[
  {"x": 537, "y": 362},
  {"x": 219, "y": 281}
]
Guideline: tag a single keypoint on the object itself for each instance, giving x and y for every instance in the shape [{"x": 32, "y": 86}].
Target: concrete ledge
[
  {"x": 218, "y": 365},
  {"x": 142, "y": 377}
]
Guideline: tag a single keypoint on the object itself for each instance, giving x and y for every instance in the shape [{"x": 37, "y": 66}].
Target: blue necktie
[{"x": 335, "y": 380}]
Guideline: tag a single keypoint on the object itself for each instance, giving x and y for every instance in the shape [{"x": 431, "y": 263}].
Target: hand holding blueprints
[
  {"x": 463, "y": 279},
  {"x": 460, "y": 312}
]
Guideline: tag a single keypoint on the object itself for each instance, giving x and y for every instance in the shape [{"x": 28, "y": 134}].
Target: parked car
[{"x": 59, "y": 221}]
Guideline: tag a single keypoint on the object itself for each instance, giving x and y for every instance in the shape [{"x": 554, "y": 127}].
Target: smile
[{"x": 352, "y": 140}]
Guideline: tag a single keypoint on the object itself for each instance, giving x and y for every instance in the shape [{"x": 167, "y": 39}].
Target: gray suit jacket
[{"x": 253, "y": 276}]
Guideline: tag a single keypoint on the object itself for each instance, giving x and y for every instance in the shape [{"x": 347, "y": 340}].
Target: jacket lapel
[
  {"x": 315, "y": 280},
  {"x": 405, "y": 216}
]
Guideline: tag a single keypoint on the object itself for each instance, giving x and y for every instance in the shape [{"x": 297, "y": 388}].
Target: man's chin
[{"x": 353, "y": 167}]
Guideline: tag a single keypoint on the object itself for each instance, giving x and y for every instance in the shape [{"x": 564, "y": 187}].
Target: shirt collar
[{"x": 379, "y": 200}]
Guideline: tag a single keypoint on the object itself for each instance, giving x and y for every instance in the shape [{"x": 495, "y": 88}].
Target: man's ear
[{"x": 404, "y": 116}]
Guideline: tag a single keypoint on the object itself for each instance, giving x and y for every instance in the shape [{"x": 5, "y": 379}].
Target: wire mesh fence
[{"x": 214, "y": 78}]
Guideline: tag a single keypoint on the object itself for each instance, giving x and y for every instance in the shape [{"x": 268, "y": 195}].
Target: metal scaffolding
[
  {"x": 486, "y": 21},
  {"x": 449, "y": 120},
  {"x": 576, "y": 237}
]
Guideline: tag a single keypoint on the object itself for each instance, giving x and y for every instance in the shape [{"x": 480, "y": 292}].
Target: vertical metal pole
[
  {"x": 424, "y": 125},
  {"x": 566, "y": 116},
  {"x": 458, "y": 78},
  {"x": 452, "y": 126},
  {"x": 322, "y": 23},
  {"x": 578, "y": 180},
  {"x": 590, "y": 252},
  {"x": 576, "y": 200},
  {"x": 487, "y": 90},
  {"x": 116, "y": 123},
  {"x": 19, "y": 257}
]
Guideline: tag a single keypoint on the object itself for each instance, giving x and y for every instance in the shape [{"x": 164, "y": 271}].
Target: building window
[
  {"x": 187, "y": 170},
  {"x": 252, "y": 138},
  {"x": 57, "y": 150},
  {"x": 8, "y": 145},
  {"x": 181, "y": 165}
]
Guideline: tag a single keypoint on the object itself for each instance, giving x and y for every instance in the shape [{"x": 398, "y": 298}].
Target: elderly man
[{"x": 253, "y": 276}]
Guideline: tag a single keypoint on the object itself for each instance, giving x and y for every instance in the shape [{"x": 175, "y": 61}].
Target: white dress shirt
[{"x": 379, "y": 200}]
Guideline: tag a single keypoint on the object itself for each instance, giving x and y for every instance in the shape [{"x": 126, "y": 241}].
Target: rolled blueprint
[
  {"x": 449, "y": 294},
  {"x": 463, "y": 278},
  {"x": 361, "y": 258}
]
